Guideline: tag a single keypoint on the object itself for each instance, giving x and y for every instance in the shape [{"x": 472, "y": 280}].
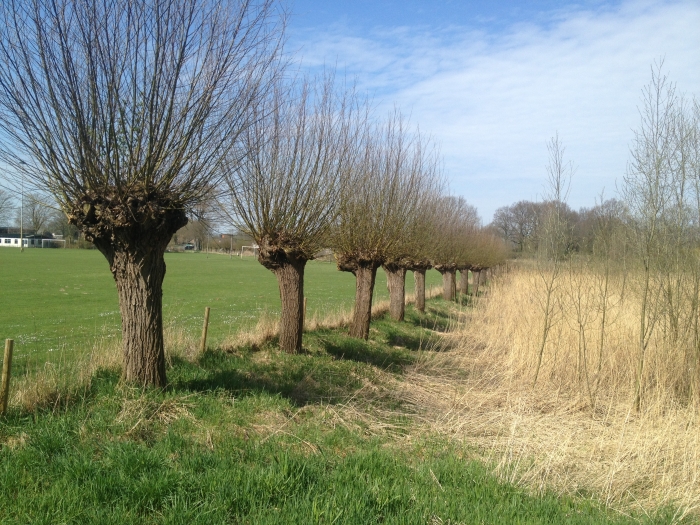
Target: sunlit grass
[{"x": 59, "y": 304}]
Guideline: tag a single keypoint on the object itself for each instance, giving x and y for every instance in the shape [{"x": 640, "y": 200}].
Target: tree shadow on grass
[
  {"x": 361, "y": 351},
  {"x": 298, "y": 378},
  {"x": 433, "y": 319}
]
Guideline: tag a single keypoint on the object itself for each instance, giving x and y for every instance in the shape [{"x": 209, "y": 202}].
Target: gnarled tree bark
[
  {"x": 419, "y": 267},
  {"x": 464, "y": 281},
  {"x": 419, "y": 277},
  {"x": 477, "y": 279},
  {"x": 365, "y": 272},
  {"x": 449, "y": 288},
  {"x": 396, "y": 278}
]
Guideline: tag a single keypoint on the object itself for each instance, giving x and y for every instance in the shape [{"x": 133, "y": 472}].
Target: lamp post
[{"x": 21, "y": 218}]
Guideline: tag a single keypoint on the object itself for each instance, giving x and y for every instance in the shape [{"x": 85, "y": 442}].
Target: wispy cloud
[{"x": 493, "y": 99}]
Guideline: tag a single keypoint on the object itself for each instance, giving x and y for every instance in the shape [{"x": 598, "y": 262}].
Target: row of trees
[
  {"x": 133, "y": 114},
  {"x": 320, "y": 173}
]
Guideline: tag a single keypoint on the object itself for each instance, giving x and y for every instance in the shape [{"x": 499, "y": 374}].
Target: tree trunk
[
  {"x": 477, "y": 278},
  {"x": 464, "y": 281},
  {"x": 364, "y": 288},
  {"x": 290, "y": 278},
  {"x": 133, "y": 234},
  {"x": 448, "y": 285},
  {"x": 288, "y": 266},
  {"x": 419, "y": 276},
  {"x": 139, "y": 278},
  {"x": 396, "y": 277}
]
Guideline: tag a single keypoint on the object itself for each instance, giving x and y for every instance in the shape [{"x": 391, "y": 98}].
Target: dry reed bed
[{"x": 575, "y": 430}]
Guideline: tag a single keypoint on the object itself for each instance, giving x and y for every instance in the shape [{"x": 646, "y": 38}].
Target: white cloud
[{"x": 493, "y": 100}]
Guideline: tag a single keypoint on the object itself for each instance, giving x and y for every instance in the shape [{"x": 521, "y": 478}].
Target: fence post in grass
[
  {"x": 203, "y": 346},
  {"x": 303, "y": 319},
  {"x": 6, "y": 365}
]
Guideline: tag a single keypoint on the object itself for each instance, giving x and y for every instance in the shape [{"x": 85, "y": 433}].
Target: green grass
[
  {"x": 261, "y": 437},
  {"x": 56, "y": 304}
]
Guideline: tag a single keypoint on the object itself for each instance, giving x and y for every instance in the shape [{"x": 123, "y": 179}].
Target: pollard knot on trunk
[
  {"x": 276, "y": 253},
  {"x": 353, "y": 262},
  {"x": 115, "y": 220},
  {"x": 448, "y": 280}
]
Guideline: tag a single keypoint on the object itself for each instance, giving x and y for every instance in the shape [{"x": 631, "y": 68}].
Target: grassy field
[
  {"x": 58, "y": 304},
  {"x": 255, "y": 436}
]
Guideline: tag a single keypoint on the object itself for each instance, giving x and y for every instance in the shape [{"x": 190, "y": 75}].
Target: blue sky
[{"x": 493, "y": 81}]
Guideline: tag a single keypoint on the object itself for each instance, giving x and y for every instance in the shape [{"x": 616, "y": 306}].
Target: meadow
[{"x": 59, "y": 304}]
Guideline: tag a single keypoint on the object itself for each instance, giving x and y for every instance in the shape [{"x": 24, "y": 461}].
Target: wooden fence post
[
  {"x": 203, "y": 346},
  {"x": 303, "y": 319},
  {"x": 6, "y": 366}
]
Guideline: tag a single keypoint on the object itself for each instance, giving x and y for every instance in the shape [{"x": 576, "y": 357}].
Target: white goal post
[
  {"x": 53, "y": 243},
  {"x": 250, "y": 250}
]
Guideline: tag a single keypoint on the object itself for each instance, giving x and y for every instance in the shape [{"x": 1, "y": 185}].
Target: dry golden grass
[
  {"x": 267, "y": 326},
  {"x": 575, "y": 430}
]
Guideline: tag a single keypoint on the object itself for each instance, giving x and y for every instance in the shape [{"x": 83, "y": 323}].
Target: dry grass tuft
[
  {"x": 56, "y": 384},
  {"x": 144, "y": 410},
  {"x": 265, "y": 330},
  {"x": 575, "y": 430}
]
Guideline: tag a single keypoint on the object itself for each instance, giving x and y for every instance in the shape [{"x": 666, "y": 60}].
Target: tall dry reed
[{"x": 576, "y": 429}]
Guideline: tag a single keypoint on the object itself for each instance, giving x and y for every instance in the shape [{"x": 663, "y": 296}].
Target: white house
[{"x": 11, "y": 240}]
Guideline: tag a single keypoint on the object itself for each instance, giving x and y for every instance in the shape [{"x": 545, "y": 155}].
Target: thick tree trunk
[
  {"x": 448, "y": 285},
  {"x": 396, "y": 277},
  {"x": 133, "y": 233},
  {"x": 477, "y": 278},
  {"x": 419, "y": 276},
  {"x": 364, "y": 288},
  {"x": 464, "y": 281},
  {"x": 139, "y": 278},
  {"x": 290, "y": 278}
]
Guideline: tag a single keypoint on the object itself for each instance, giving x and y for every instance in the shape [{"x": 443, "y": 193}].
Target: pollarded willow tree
[
  {"x": 376, "y": 206},
  {"x": 426, "y": 235},
  {"x": 285, "y": 192},
  {"x": 410, "y": 252},
  {"x": 123, "y": 110},
  {"x": 454, "y": 219},
  {"x": 482, "y": 251}
]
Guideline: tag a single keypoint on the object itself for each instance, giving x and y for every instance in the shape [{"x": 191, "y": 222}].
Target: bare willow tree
[
  {"x": 482, "y": 251},
  {"x": 657, "y": 194},
  {"x": 7, "y": 206},
  {"x": 123, "y": 110},
  {"x": 34, "y": 214},
  {"x": 285, "y": 193},
  {"x": 455, "y": 219},
  {"x": 411, "y": 251},
  {"x": 425, "y": 235},
  {"x": 375, "y": 210},
  {"x": 553, "y": 236}
]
